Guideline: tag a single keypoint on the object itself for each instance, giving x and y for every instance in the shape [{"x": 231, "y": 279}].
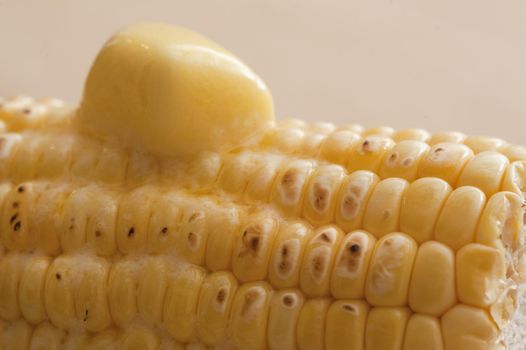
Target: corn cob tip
[{"x": 173, "y": 92}]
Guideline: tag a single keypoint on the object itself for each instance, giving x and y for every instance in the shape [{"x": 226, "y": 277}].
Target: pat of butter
[{"x": 173, "y": 92}]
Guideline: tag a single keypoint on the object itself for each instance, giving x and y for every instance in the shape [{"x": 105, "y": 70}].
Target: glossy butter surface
[{"x": 173, "y": 92}]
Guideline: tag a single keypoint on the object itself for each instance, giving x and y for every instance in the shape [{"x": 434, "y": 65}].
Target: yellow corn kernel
[
  {"x": 286, "y": 140},
  {"x": 483, "y": 143},
  {"x": 448, "y": 136},
  {"x": 466, "y": 327},
  {"x": 252, "y": 248},
  {"x": 17, "y": 336},
  {"x": 8, "y": 145},
  {"x": 390, "y": 270},
  {"x": 151, "y": 288},
  {"x": 107, "y": 340},
  {"x": 260, "y": 184},
  {"x": 423, "y": 332},
  {"x": 11, "y": 269},
  {"x": 23, "y": 165},
  {"x": 338, "y": 145},
  {"x": 122, "y": 292},
  {"x": 46, "y": 337},
  {"x": 386, "y": 328},
  {"x": 47, "y": 219},
  {"x": 421, "y": 206},
  {"x": 213, "y": 307},
  {"x": 202, "y": 171},
  {"x": 289, "y": 187},
  {"x": 351, "y": 265},
  {"x": 112, "y": 165},
  {"x": 170, "y": 344},
  {"x": 386, "y": 131},
  {"x": 55, "y": 154},
  {"x": 403, "y": 159},
  {"x": 85, "y": 155},
  {"x": 180, "y": 302},
  {"x": 369, "y": 154},
  {"x": 15, "y": 231},
  {"x": 480, "y": 271},
  {"x": 31, "y": 289},
  {"x": 163, "y": 224},
  {"x": 514, "y": 152},
  {"x": 445, "y": 161},
  {"x": 248, "y": 320},
  {"x": 132, "y": 220},
  {"x": 311, "y": 324},
  {"x": 139, "y": 339},
  {"x": 238, "y": 169},
  {"x": 515, "y": 178},
  {"x": 411, "y": 134},
  {"x": 352, "y": 199},
  {"x": 501, "y": 221},
  {"x": 287, "y": 254},
  {"x": 485, "y": 171},
  {"x": 432, "y": 289},
  {"x": 75, "y": 215},
  {"x": 321, "y": 127},
  {"x": 318, "y": 260},
  {"x": 312, "y": 144},
  {"x": 345, "y": 325},
  {"x": 102, "y": 221},
  {"x": 192, "y": 231},
  {"x": 59, "y": 292},
  {"x": 382, "y": 215},
  {"x": 460, "y": 215},
  {"x": 320, "y": 198},
  {"x": 223, "y": 223},
  {"x": 89, "y": 284},
  {"x": 283, "y": 317}
]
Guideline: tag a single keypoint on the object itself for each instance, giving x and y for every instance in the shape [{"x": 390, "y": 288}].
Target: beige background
[{"x": 448, "y": 64}]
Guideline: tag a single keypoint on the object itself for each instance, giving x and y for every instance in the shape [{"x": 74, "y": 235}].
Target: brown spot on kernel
[
  {"x": 284, "y": 251},
  {"x": 71, "y": 224},
  {"x": 317, "y": 264},
  {"x": 349, "y": 308},
  {"x": 26, "y": 111},
  {"x": 439, "y": 149},
  {"x": 21, "y": 189},
  {"x": 15, "y": 205},
  {"x": 366, "y": 146},
  {"x": 252, "y": 239},
  {"x": 192, "y": 238},
  {"x": 393, "y": 157},
  {"x": 85, "y": 315},
  {"x": 221, "y": 296},
  {"x": 195, "y": 216},
  {"x": 325, "y": 237},
  {"x": 58, "y": 276},
  {"x": 321, "y": 194},
  {"x": 17, "y": 226},
  {"x": 283, "y": 266},
  {"x": 250, "y": 298},
  {"x": 386, "y": 214},
  {"x": 13, "y": 218},
  {"x": 131, "y": 232},
  {"x": 354, "y": 248},
  {"x": 98, "y": 233},
  {"x": 407, "y": 162},
  {"x": 288, "y": 300},
  {"x": 288, "y": 178},
  {"x": 164, "y": 230}
]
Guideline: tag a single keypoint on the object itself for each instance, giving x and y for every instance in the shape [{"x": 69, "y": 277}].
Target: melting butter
[{"x": 173, "y": 92}]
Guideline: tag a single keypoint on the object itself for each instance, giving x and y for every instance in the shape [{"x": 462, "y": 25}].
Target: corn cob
[{"x": 170, "y": 211}]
